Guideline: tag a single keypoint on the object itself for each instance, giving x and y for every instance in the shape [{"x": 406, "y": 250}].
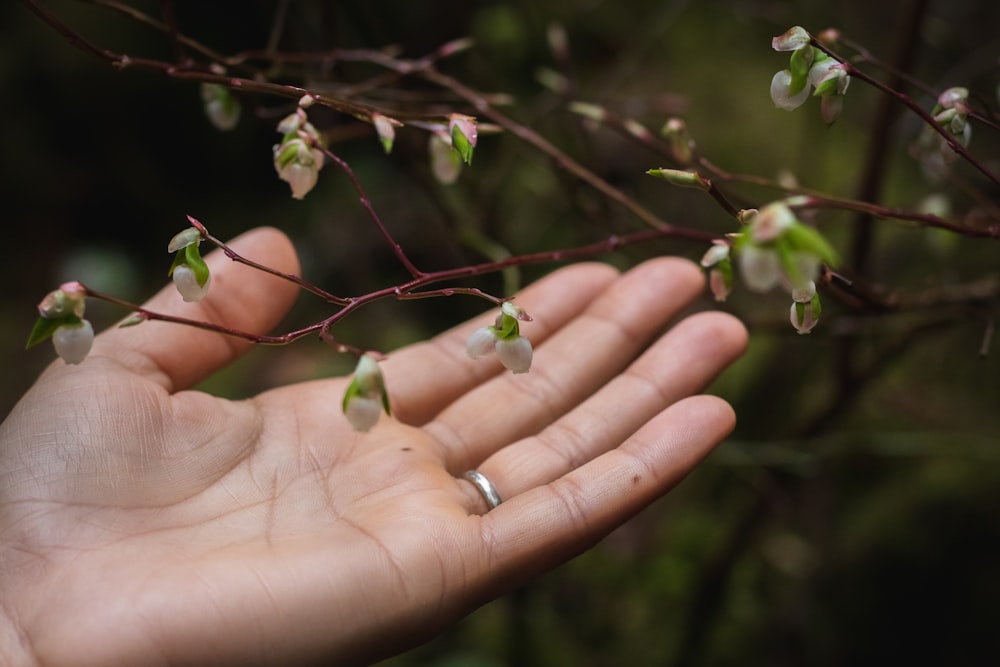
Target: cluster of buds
[
  {"x": 189, "y": 271},
  {"x": 810, "y": 69},
  {"x": 505, "y": 339},
  {"x": 776, "y": 250},
  {"x": 60, "y": 317},
  {"x": 297, "y": 159},
  {"x": 366, "y": 397},
  {"x": 952, "y": 113}
]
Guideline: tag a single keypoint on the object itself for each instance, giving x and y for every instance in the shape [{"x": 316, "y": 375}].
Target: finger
[
  {"x": 569, "y": 365},
  {"x": 681, "y": 363},
  {"x": 542, "y": 527},
  {"x": 426, "y": 377},
  {"x": 240, "y": 297}
]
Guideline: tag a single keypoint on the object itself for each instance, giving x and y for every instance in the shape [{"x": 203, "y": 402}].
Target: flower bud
[
  {"x": 385, "y": 127},
  {"x": 73, "y": 341},
  {"x": 715, "y": 254},
  {"x": 363, "y": 412},
  {"x": 366, "y": 396},
  {"x": 805, "y": 316},
  {"x": 515, "y": 353},
  {"x": 446, "y": 164},
  {"x": 298, "y": 165},
  {"x": 187, "y": 284},
  {"x": 482, "y": 342},
  {"x": 781, "y": 93},
  {"x": 760, "y": 268},
  {"x": 222, "y": 109},
  {"x": 681, "y": 144},
  {"x": 69, "y": 299}
]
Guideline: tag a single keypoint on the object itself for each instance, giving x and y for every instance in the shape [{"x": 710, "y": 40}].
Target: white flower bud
[
  {"x": 73, "y": 341},
  {"x": 715, "y": 254},
  {"x": 515, "y": 353},
  {"x": 804, "y": 316},
  {"x": 780, "y": 94},
  {"x": 759, "y": 267},
  {"x": 446, "y": 164},
  {"x": 187, "y": 283},
  {"x": 363, "y": 412},
  {"x": 481, "y": 342}
]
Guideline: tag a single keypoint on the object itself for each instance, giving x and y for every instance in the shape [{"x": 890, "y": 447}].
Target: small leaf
[
  {"x": 192, "y": 257},
  {"x": 462, "y": 145},
  {"x": 808, "y": 240},
  {"x": 45, "y": 327}
]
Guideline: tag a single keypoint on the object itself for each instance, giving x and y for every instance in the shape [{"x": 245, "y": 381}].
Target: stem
[{"x": 397, "y": 249}]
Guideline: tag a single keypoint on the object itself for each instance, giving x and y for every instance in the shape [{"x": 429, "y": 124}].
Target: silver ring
[{"x": 485, "y": 487}]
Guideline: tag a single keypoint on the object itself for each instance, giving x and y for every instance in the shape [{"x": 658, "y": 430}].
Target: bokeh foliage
[{"x": 846, "y": 521}]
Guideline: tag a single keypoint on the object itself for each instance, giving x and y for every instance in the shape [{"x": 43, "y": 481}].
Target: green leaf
[
  {"x": 193, "y": 259},
  {"x": 461, "y": 144},
  {"x": 807, "y": 239},
  {"x": 799, "y": 64},
  {"x": 45, "y": 327},
  {"x": 508, "y": 328},
  {"x": 352, "y": 390}
]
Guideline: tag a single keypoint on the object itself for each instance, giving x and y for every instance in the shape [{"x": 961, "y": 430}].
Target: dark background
[{"x": 846, "y": 521}]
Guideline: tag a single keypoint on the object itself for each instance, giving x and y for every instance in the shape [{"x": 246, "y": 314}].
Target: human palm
[{"x": 144, "y": 523}]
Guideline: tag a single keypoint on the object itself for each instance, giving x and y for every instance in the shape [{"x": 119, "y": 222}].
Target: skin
[{"x": 143, "y": 523}]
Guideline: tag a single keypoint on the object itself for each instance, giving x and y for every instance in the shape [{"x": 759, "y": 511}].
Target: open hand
[{"x": 142, "y": 523}]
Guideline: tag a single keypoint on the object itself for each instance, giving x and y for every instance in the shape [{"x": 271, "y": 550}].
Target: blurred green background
[{"x": 852, "y": 518}]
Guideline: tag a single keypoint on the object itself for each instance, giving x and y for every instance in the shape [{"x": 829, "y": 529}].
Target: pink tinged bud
[
  {"x": 771, "y": 222},
  {"x": 68, "y": 299},
  {"x": 759, "y": 267},
  {"x": 781, "y": 94},
  {"x": 73, "y": 341},
  {"x": 515, "y": 353},
  {"x": 830, "y": 107},
  {"x": 518, "y": 313},
  {"x": 482, "y": 342},
  {"x": 363, "y": 412},
  {"x": 793, "y": 39},
  {"x": 953, "y": 96},
  {"x": 720, "y": 282},
  {"x": 187, "y": 283}
]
